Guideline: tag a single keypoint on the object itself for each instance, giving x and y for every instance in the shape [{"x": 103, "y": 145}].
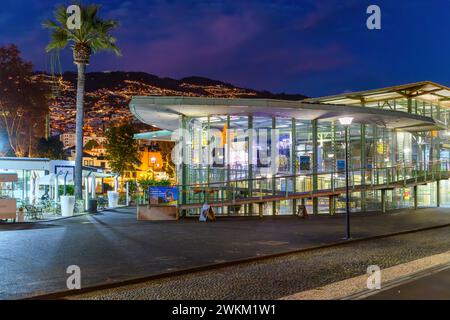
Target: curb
[
  {"x": 398, "y": 282},
  {"x": 215, "y": 266}
]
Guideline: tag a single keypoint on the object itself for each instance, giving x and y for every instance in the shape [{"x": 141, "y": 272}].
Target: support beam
[
  {"x": 334, "y": 152},
  {"x": 93, "y": 185},
  {"x": 184, "y": 168},
  {"x": 260, "y": 209},
  {"x": 363, "y": 165},
  {"x": 383, "y": 200},
  {"x": 251, "y": 142},
  {"x": 409, "y": 105},
  {"x": 438, "y": 193},
  {"x": 315, "y": 151},
  {"x": 86, "y": 192},
  {"x": 209, "y": 137},
  {"x": 293, "y": 167},
  {"x": 415, "y": 193},
  {"x": 127, "y": 190},
  {"x": 273, "y": 160},
  {"x": 228, "y": 161},
  {"x": 332, "y": 205}
]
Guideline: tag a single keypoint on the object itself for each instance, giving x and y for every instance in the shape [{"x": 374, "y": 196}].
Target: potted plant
[
  {"x": 20, "y": 214},
  {"x": 67, "y": 205}
]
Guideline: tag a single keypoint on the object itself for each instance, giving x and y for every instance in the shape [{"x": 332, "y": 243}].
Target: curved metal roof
[
  {"x": 165, "y": 112},
  {"x": 426, "y": 90}
]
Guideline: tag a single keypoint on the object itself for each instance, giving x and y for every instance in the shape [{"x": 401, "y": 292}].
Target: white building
[
  {"x": 38, "y": 175},
  {"x": 69, "y": 138}
]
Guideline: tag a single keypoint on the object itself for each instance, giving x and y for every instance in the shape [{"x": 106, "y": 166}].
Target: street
[{"x": 113, "y": 247}]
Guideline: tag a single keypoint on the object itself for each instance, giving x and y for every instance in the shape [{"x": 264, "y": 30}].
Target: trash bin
[{"x": 92, "y": 206}]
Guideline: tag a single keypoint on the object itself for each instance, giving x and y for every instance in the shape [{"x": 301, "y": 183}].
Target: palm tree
[{"x": 93, "y": 36}]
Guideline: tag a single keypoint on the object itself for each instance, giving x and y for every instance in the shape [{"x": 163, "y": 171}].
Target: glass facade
[{"x": 273, "y": 162}]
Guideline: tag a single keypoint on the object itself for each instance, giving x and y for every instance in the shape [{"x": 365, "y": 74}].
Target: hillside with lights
[{"x": 109, "y": 93}]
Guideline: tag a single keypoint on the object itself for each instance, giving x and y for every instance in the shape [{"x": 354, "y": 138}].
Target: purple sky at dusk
[{"x": 304, "y": 46}]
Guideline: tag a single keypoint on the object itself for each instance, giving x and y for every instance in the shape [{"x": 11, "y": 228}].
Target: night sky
[{"x": 306, "y": 46}]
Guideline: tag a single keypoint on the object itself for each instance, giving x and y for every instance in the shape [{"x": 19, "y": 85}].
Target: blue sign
[
  {"x": 161, "y": 195},
  {"x": 340, "y": 164}
]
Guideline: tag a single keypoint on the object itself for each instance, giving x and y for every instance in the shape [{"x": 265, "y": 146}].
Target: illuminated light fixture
[
  {"x": 407, "y": 150},
  {"x": 346, "y": 121},
  {"x": 153, "y": 160},
  {"x": 330, "y": 155}
]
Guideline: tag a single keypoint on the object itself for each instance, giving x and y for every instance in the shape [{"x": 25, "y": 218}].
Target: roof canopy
[
  {"x": 165, "y": 112},
  {"x": 159, "y": 135},
  {"x": 426, "y": 91}
]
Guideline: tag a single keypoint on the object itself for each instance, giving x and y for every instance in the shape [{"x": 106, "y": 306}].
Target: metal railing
[{"x": 361, "y": 179}]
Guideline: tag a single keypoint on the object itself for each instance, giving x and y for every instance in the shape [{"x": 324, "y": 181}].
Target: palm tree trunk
[{"x": 79, "y": 131}]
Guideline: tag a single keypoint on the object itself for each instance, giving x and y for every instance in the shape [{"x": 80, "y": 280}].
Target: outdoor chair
[
  {"x": 102, "y": 203},
  {"x": 33, "y": 213}
]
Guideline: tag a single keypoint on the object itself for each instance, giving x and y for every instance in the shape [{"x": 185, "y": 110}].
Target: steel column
[
  {"x": 415, "y": 193},
  {"x": 293, "y": 163},
  {"x": 228, "y": 160},
  {"x": 363, "y": 165},
  {"x": 315, "y": 151},
  {"x": 273, "y": 162},
  {"x": 251, "y": 139},
  {"x": 184, "y": 168}
]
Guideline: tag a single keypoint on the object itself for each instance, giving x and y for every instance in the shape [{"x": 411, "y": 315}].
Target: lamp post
[
  {"x": 153, "y": 160},
  {"x": 346, "y": 122}
]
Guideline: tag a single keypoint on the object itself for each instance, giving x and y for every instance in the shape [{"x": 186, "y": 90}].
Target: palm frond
[
  {"x": 94, "y": 31},
  {"x": 59, "y": 40}
]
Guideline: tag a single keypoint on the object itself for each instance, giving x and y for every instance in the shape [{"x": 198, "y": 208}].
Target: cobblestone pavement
[{"x": 279, "y": 277}]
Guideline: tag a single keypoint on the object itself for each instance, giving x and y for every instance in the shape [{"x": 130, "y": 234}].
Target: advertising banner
[{"x": 163, "y": 196}]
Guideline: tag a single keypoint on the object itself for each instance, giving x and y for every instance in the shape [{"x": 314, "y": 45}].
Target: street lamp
[
  {"x": 346, "y": 122},
  {"x": 153, "y": 160}
]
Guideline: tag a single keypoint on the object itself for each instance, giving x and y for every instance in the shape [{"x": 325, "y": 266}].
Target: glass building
[{"x": 272, "y": 157}]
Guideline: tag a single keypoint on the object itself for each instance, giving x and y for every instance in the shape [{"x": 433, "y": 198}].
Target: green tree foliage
[
  {"x": 23, "y": 103},
  {"x": 121, "y": 148},
  {"x": 165, "y": 148},
  {"x": 51, "y": 148},
  {"x": 91, "y": 144},
  {"x": 146, "y": 182}
]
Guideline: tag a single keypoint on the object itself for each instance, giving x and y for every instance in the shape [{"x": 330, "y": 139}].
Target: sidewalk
[{"x": 113, "y": 246}]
